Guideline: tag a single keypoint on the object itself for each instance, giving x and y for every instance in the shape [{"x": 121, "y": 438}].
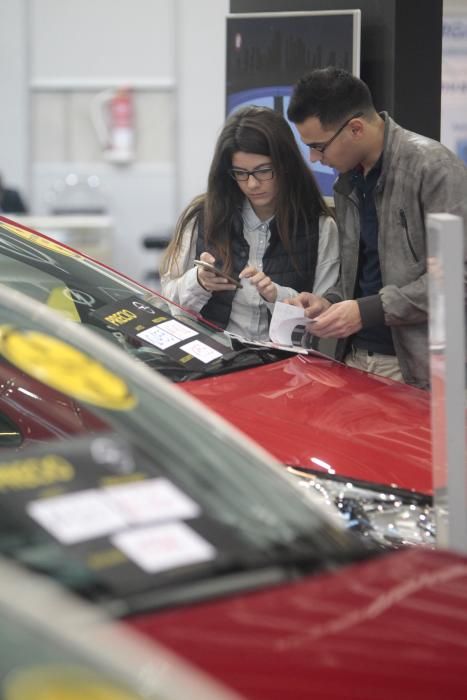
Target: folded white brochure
[{"x": 285, "y": 319}]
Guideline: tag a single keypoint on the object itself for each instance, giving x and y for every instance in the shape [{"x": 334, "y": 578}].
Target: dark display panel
[
  {"x": 267, "y": 54},
  {"x": 401, "y": 44}
]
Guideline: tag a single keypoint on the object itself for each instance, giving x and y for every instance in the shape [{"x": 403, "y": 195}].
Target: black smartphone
[{"x": 219, "y": 273}]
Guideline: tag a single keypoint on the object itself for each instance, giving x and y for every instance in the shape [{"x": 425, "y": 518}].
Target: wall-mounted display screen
[{"x": 268, "y": 52}]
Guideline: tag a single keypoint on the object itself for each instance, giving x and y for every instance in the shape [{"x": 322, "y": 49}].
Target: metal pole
[{"x": 447, "y": 360}]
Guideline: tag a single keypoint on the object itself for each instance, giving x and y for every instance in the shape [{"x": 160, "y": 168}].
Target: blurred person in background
[
  {"x": 262, "y": 220},
  {"x": 11, "y": 201}
]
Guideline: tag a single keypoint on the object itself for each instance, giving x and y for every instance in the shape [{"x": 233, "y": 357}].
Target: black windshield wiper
[
  {"x": 170, "y": 369},
  {"x": 231, "y": 361},
  {"x": 243, "y": 359}
]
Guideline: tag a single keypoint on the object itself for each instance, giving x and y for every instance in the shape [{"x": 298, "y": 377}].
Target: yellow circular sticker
[
  {"x": 55, "y": 246},
  {"x": 65, "y": 368},
  {"x": 63, "y": 683}
]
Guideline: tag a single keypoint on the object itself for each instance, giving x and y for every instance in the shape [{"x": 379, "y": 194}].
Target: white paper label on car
[
  {"x": 158, "y": 337},
  {"x": 160, "y": 547},
  {"x": 76, "y": 517},
  {"x": 201, "y": 351},
  {"x": 151, "y": 500},
  {"x": 179, "y": 330}
]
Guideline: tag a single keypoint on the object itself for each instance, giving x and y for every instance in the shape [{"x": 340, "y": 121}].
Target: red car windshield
[{"x": 172, "y": 340}]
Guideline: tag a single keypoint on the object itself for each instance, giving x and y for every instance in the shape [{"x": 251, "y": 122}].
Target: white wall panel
[
  {"x": 200, "y": 77},
  {"x": 89, "y": 39},
  {"x": 14, "y": 122}
]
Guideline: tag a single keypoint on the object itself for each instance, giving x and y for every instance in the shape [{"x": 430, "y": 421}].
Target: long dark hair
[{"x": 261, "y": 131}]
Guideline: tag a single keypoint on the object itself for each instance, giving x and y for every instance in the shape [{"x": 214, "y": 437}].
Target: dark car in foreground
[
  {"x": 169, "y": 519},
  {"x": 362, "y": 442}
]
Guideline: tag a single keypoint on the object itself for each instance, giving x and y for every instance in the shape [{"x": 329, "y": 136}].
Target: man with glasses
[{"x": 390, "y": 179}]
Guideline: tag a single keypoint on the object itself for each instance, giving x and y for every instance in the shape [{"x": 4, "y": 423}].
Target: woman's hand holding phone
[{"x": 212, "y": 279}]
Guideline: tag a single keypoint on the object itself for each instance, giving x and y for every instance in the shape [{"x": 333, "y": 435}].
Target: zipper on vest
[{"x": 403, "y": 220}]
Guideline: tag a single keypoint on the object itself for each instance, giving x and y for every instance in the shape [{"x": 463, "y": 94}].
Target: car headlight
[{"x": 391, "y": 517}]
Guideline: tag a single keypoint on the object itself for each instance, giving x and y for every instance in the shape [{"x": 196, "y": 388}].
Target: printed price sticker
[
  {"x": 201, "y": 351},
  {"x": 179, "y": 330},
  {"x": 158, "y": 548},
  {"x": 84, "y": 515},
  {"x": 158, "y": 337},
  {"x": 76, "y": 517},
  {"x": 151, "y": 500}
]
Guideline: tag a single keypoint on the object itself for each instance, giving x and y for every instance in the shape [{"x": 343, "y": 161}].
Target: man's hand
[
  {"x": 338, "y": 321},
  {"x": 262, "y": 282},
  {"x": 313, "y": 304}
]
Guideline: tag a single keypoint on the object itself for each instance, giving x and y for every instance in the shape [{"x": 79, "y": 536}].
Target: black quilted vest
[{"x": 277, "y": 264}]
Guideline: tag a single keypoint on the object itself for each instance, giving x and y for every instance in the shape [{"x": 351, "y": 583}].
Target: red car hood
[
  {"x": 318, "y": 414},
  {"x": 394, "y": 627}
]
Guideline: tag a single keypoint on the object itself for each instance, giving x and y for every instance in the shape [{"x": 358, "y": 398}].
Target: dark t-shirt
[{"x": 369, "y": 281}]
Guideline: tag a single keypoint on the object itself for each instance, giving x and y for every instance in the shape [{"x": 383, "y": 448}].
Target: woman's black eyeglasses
[
  {"x": 321, "y": 147},
  {"x": 261, "y": 174}
]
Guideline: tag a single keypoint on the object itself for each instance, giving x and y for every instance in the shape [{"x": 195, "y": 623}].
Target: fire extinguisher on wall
[{"x": 113, "y": 118}]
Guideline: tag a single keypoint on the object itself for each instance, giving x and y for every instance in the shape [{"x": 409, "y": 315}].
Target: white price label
[
  {"x": 151, "y": 500},
  {"x": 179, "y": 330},
  {"x": 84, "y": 515},
  {"x": 158, "y": 337},
  {"x": 76, "y": 517},
  {"x": 201, "y": 351},
  {"x": 157, "y": 548}
]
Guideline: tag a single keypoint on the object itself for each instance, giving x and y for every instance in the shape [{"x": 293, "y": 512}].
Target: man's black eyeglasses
[
  {"x": 321, "y": 147},
  {"x": 261, "y": 174}
]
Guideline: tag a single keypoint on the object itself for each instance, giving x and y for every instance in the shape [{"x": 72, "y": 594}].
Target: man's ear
[{"x": 357, "y": 128}]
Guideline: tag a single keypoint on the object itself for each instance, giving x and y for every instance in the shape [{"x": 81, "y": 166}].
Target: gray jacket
[{"x": 419, "y": 176}]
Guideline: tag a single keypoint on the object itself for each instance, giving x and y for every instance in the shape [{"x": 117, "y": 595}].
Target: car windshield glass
[
  {"x": 79, "y": 652},
  {"x": 84, "y": 511},
  {"x": 179, "y": 344}
]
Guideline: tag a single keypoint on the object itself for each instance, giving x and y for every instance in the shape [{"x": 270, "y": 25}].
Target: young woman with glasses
[{"x": 262, "y": 220}]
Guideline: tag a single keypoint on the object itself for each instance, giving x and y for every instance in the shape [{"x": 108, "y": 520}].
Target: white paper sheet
[
  {"x": 151, "y": 500},
  {"x": 160, "y": 547},
  {"x": 158, "y": 337},
  {"x": 284, "y": 319},
  {"x": 179, "y": 330},
  {"x": 85, "y": 515},
  {"x": 201, "y": 351},
  {"x": 76, "y": 517},
  {"x": 269, "y": 344}
]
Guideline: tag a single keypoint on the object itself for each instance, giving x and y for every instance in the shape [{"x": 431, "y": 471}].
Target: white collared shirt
[{"x": 249, "y": 316}]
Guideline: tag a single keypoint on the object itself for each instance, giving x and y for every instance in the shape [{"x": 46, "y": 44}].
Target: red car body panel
[
  {"x": 390, "y": 628},
  {"x": 39, "y": 412},
  {"x": 362, "y": 426},
  {"x": 308, "y": 408}
]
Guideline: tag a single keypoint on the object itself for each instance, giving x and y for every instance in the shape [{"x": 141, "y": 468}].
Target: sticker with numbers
[
  {"x": 161, "y": 547},
  {"x": 201, "y": 351},
  {"x": 151, "y": 500},
  {"x": 158, "y": 337},
  {"x": 179, "y": 330},
  {"x": 76, "y": 517},
  {"x": 85, "y": 515}
]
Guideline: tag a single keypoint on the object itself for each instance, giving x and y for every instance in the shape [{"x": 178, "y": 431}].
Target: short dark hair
[{"x": 330, "y": 94}]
